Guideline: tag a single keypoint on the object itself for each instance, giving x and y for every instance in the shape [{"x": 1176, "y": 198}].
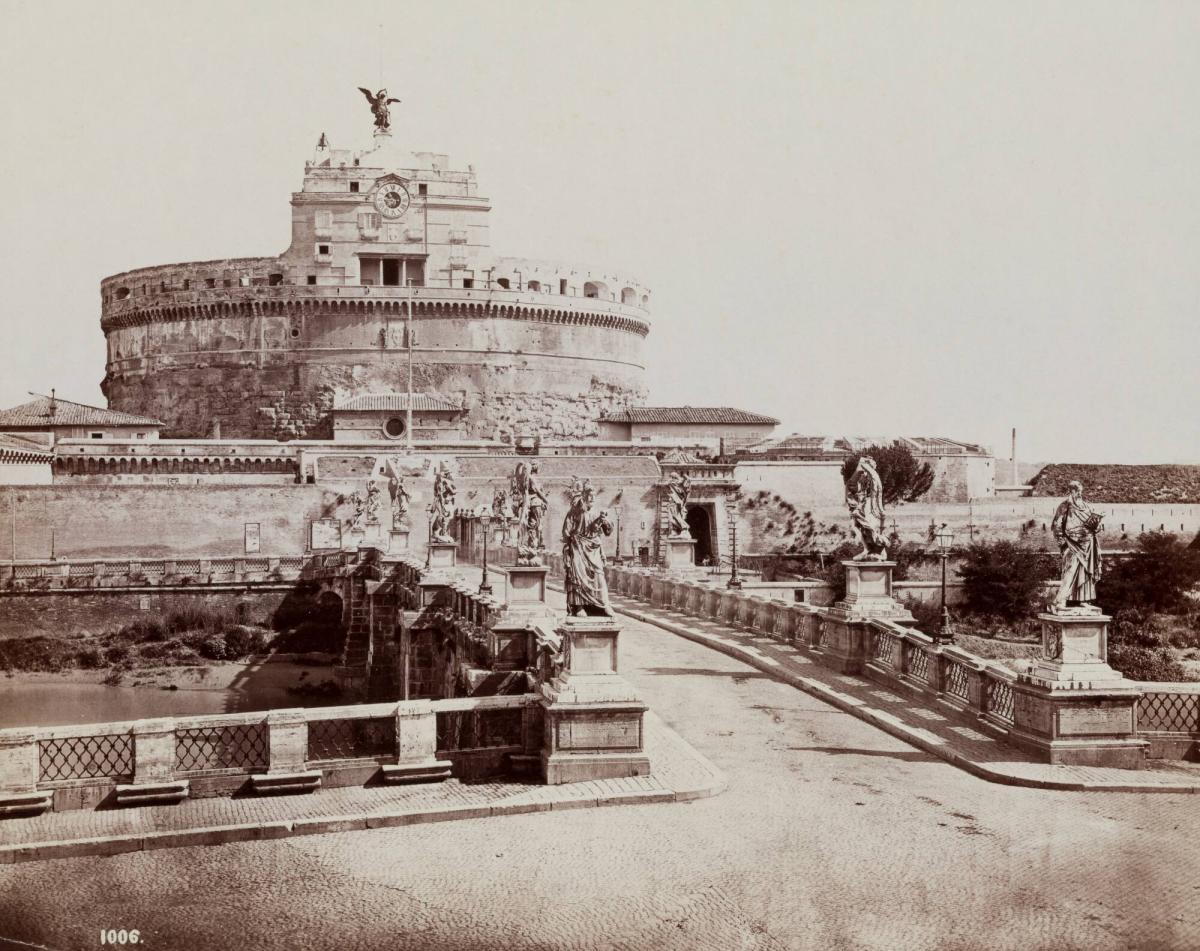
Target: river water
[{"x": 50, "y": 703}]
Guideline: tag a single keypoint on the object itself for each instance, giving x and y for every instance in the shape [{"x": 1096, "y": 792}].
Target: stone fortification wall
[
  {"x": 268, "y": 360},
  {"x": 156, "y": 520},
  {"x": 99, "y": 610},
  {"x": 1026, "y": 519}
]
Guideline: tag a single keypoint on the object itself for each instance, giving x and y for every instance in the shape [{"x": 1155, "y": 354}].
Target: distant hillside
[{"x": 1103, "y": 483}]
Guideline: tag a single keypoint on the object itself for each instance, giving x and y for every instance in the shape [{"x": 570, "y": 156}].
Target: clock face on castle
[{"x": 392, "y": 200}]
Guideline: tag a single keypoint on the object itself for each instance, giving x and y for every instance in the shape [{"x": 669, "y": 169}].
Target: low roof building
[
  {"x": 385, "y": 416},
  {"x": 64, "y": 419},
  {"x": 731, "y": 427}
]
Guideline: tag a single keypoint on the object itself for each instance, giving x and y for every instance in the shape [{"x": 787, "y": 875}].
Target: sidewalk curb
[
  {"x": 715, "y": 783},
  {"x": 885, "y": 723}
]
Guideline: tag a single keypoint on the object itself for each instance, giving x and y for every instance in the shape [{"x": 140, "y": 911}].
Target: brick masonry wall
[{"x": 99, "y": 611}]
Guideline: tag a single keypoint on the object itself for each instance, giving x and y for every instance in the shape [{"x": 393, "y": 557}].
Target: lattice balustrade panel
[
  {"x": 887, "y": 648},
  {"x": 957, "y": 682},
  {"x": 918, "y": 664},
  {"x": 1000, "y": 699},
  {"x": 291, "y": 564},
  {"x": 83, "y": 570},
  {"x": 257, "y": 564},
  {"x": 27, "y": 571},
  {"x": 86, "y": 757},
  {"x": 188, "y": 567},
  {"x": 222, "y": 566},
  {"x": 478, "y": 729},
  {"x": 1164, "y": 712},
  {"x": 153, "y": 567},
  {"x": 351, "y": 739},
  {"x": 243, "y": 746}
]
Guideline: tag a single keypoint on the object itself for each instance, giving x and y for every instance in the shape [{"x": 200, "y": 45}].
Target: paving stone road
[{"x": 831, "y": 835}]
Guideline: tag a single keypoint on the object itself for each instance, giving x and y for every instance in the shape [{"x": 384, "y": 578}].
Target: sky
[{"x": 943, "y": 218}]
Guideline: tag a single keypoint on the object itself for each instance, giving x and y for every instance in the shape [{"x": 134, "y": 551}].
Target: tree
[
  {"x": 1002, "y": 579},
  {"x": 904, "y": 478},
  {"x": 1156, "y": 577}
]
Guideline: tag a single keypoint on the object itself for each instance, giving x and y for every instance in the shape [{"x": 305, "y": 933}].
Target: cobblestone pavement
[
  {"x": 679, "y": 773},
  {"x": 832, "y": 834}
]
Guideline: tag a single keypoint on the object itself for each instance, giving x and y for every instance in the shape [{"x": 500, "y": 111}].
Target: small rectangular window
[
  {"x": 141, "y": 435},
  {"x": 312, "y": 279},
  {"x": 562, "y": 285},
  {"x": 422, "y": 189},
  {"x": 210, "y": 282},
  {"x": 354, "y": 186},
  {"x": 322, "y": 249},
  {"x": 468, "y": 282},
  {"x": 96, "y": 435},
  {"x": 323, "y": 220}
]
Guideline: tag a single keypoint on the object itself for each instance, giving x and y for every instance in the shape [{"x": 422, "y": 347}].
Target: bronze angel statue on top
[{"x": 379, "y": 108}]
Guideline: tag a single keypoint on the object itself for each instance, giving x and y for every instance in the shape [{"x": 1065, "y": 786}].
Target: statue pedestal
[
  {"x": 443, "y": 554},
  {"x": 679, "y": 554},
  {"x": 397, "y": 540},
  {"x": 526, "y": 585},
  {"x": 593, "y": 716},
  {"x": 846, "y": 639},
  {"x": 357, "y": 538},
  {"x": 373, "y": 536},
  {"x": 1072, "y": 707}
]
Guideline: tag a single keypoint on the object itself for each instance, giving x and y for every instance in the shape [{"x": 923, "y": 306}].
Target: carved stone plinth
[
  {"x": 526, "y": 585},
  {"x": 1074, "y": 650},
  {"x": 593, "y": 716},
  {"x": 679, "y": 553},
  {"x": 397, "y": 540},
  {"x": 443, "y": 554},
  {"x": 356, "y": 538},
  {"x": 1072, "y": 707},
  {"x": 845, "y": 644}
]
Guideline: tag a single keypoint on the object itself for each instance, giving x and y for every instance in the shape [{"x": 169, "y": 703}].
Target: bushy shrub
[
  {"x": 116, "y": 654},
  {"x": 213, "y": 647},
  {"x": 90, "y": 658},
  {"x": 832, "y": 571},
  {"x": 240, "y": 641},
  {"x": 1002, "y": 579},
  {"x": 1138, "y": 647},
  {"x": 1156, "y": 577},
  {"x": 143, "y": 629},
  {"x": 197, "y": 617}
]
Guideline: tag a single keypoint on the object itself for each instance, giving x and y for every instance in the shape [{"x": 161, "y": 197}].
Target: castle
[{"x": 389, "y": 287}]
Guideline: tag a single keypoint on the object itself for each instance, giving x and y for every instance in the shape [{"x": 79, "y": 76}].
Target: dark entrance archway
[{"x": 699, "y": 520}]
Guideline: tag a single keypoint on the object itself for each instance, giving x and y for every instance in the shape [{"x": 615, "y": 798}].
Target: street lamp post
[
  {"x": 945, "y": 539},
  {"x": 734, "y": 581},
  {"x": 485, "y": 519},
  {"x": 429, "y": 534}
]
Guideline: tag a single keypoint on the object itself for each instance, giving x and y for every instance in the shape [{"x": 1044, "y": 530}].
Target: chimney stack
[
  {"x": 1015, "y": 478},
  {"x": 53, "y": 403}
]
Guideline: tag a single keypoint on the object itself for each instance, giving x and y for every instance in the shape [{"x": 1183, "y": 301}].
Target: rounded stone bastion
[{"x": 389, "y": 269}]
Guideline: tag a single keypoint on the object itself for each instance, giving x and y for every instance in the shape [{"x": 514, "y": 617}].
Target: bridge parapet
[
  {"x": 118, "y": 763},
  {"x": 984, "y": 692}
]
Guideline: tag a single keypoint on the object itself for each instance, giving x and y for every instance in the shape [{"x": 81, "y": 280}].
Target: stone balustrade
[
  {"x": 72, "y": 573},
  {"x": 171, "y": 758},
  {"x": 941, "y": 674}
]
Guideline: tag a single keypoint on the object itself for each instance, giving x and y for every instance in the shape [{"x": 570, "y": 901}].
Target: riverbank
[{"x": 260, "y": 682}]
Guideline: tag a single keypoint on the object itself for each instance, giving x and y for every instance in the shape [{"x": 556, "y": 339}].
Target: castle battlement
[{"x": 390, "y": 258}]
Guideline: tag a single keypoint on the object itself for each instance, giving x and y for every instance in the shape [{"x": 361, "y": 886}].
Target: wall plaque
[
  {"x": 253, "y": 538},
  {"x": 611, "y": 733},
  {"x": 1076, "y": 721}
]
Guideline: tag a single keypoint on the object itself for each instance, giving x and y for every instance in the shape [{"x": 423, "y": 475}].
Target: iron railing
[
  {"x": 238, "y": 746},
  {"x": 351, "y": 739},
  {"x": 86, "y": 757}
]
